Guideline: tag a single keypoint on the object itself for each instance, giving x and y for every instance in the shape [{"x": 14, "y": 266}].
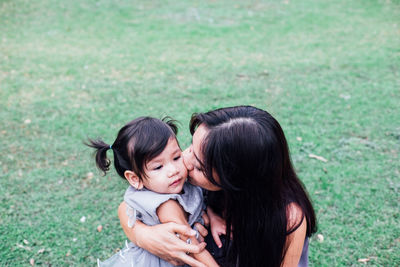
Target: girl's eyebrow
[
  {"x": 155, "y": 161},
  {"x": 177, "y": 150}
]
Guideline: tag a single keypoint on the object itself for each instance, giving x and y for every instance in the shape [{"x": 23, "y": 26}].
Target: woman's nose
[{"x": 187, "y": 158}]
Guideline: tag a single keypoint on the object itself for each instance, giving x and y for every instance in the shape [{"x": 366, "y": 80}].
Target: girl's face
[
  {"x": 192, "y": 157},
  {"x": 166, "y": 173}
]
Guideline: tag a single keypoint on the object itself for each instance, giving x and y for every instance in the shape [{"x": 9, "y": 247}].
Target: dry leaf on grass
[
  {"x": 99, "y": 228},
  {"x": 32, "y": 262},
  {"x": 345, "y": 96},
  {"x": 23, "y": 247},
  {"x": 313, "y": 156}
]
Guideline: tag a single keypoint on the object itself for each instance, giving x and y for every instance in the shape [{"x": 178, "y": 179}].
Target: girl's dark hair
[
  {"x": 138, "y": 142},
  {"x": 247, "y": 149}
]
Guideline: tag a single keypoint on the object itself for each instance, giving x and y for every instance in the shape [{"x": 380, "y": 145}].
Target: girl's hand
[
  {"x": 218, "y": 226},
  {"x": 161, "y": 239}
]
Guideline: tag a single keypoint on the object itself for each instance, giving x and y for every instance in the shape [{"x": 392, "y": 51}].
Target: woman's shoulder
[
  {"x": 296, "y": 236},
  {"x": 294, "y": 216}
]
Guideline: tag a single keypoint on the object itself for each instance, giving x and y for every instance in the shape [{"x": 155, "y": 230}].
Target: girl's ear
[{"x": 133, "y": 179}]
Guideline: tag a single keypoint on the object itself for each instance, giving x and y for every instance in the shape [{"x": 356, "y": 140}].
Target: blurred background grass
[{"x": 327, "y": 70}]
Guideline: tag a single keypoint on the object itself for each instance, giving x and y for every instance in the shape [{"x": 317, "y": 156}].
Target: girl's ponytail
[{"x": 102, "y": 162}]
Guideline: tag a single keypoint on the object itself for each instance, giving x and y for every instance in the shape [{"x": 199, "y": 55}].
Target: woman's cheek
[
  {"x": 197, "y": 178},
  {"x": 190, "y": 177}
]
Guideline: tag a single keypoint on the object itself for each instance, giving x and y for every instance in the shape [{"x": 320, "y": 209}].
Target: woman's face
[{"x": 192, "y": 157}]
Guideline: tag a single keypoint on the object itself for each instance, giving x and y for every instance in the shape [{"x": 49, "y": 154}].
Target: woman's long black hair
[{"x": 247, "y": 149}]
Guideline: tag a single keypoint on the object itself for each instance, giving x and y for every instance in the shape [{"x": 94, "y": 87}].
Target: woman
[{"x": 240, "y": 155}]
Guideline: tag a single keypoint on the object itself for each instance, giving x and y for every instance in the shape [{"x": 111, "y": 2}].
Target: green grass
[{"x": 329, "y": 71}]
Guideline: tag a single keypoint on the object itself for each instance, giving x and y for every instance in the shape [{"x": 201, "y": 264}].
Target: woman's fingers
[
  {"x": 186, "y": 230},
  {"x": 190, "y": 260},
  {"x": 217, "y": 240},
  {"x": 202, "y": 230},
  {"x": 195, "y": 249},
  {"x": 161, "y": 240},
  {"x": 182, "y": 229},
  {"x": 206, "y": 219},
  {"x": 176, "y": 263}
]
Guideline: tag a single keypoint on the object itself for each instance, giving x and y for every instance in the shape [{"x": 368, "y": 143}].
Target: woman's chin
[
  {"x": 203, "y": 184},
  {"x": 191, "y": 181}
]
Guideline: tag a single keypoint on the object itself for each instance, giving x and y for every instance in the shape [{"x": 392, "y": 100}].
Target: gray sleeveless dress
[{"x": 142, "y": 205}]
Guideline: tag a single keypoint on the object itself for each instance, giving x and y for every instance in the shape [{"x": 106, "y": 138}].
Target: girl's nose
[
  {"x": 172, "y": 170},
  {"x": 187, "y": 158}
]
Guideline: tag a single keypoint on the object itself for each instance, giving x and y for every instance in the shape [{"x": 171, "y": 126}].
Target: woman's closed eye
[{"x": 177, "y": 157}]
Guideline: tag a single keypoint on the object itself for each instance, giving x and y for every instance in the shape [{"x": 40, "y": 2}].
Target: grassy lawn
[{"x": 329, "y": 71}]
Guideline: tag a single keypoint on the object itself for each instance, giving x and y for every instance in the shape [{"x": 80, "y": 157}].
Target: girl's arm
[
  {"x": 161, "y": 240},
  {"x": 295, "y": 239},
  {"x": 172, "y": 211}
]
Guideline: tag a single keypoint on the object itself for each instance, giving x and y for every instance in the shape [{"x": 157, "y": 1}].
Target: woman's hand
[
  {"x": 202, "y": 228},
  {"x": 218, "y": 226},
  {"x": 161, "y": 239}
]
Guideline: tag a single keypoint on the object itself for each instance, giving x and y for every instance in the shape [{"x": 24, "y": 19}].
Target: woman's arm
[
  {"x": 161, "y": 239},
  {"x": 295, "y": 239},
  {"x": 172, "y": 211}
]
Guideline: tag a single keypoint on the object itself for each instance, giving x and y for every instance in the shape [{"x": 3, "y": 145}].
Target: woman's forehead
[
  {"x": 197, "y": 140},
  {"x": 199, "y": 135}
]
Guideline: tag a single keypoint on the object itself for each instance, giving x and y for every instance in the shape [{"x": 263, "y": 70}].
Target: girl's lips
[{"x": 176, "y": 182}]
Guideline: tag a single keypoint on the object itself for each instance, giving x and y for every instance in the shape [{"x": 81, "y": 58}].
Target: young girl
[{"x": 148, "y": 156}]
